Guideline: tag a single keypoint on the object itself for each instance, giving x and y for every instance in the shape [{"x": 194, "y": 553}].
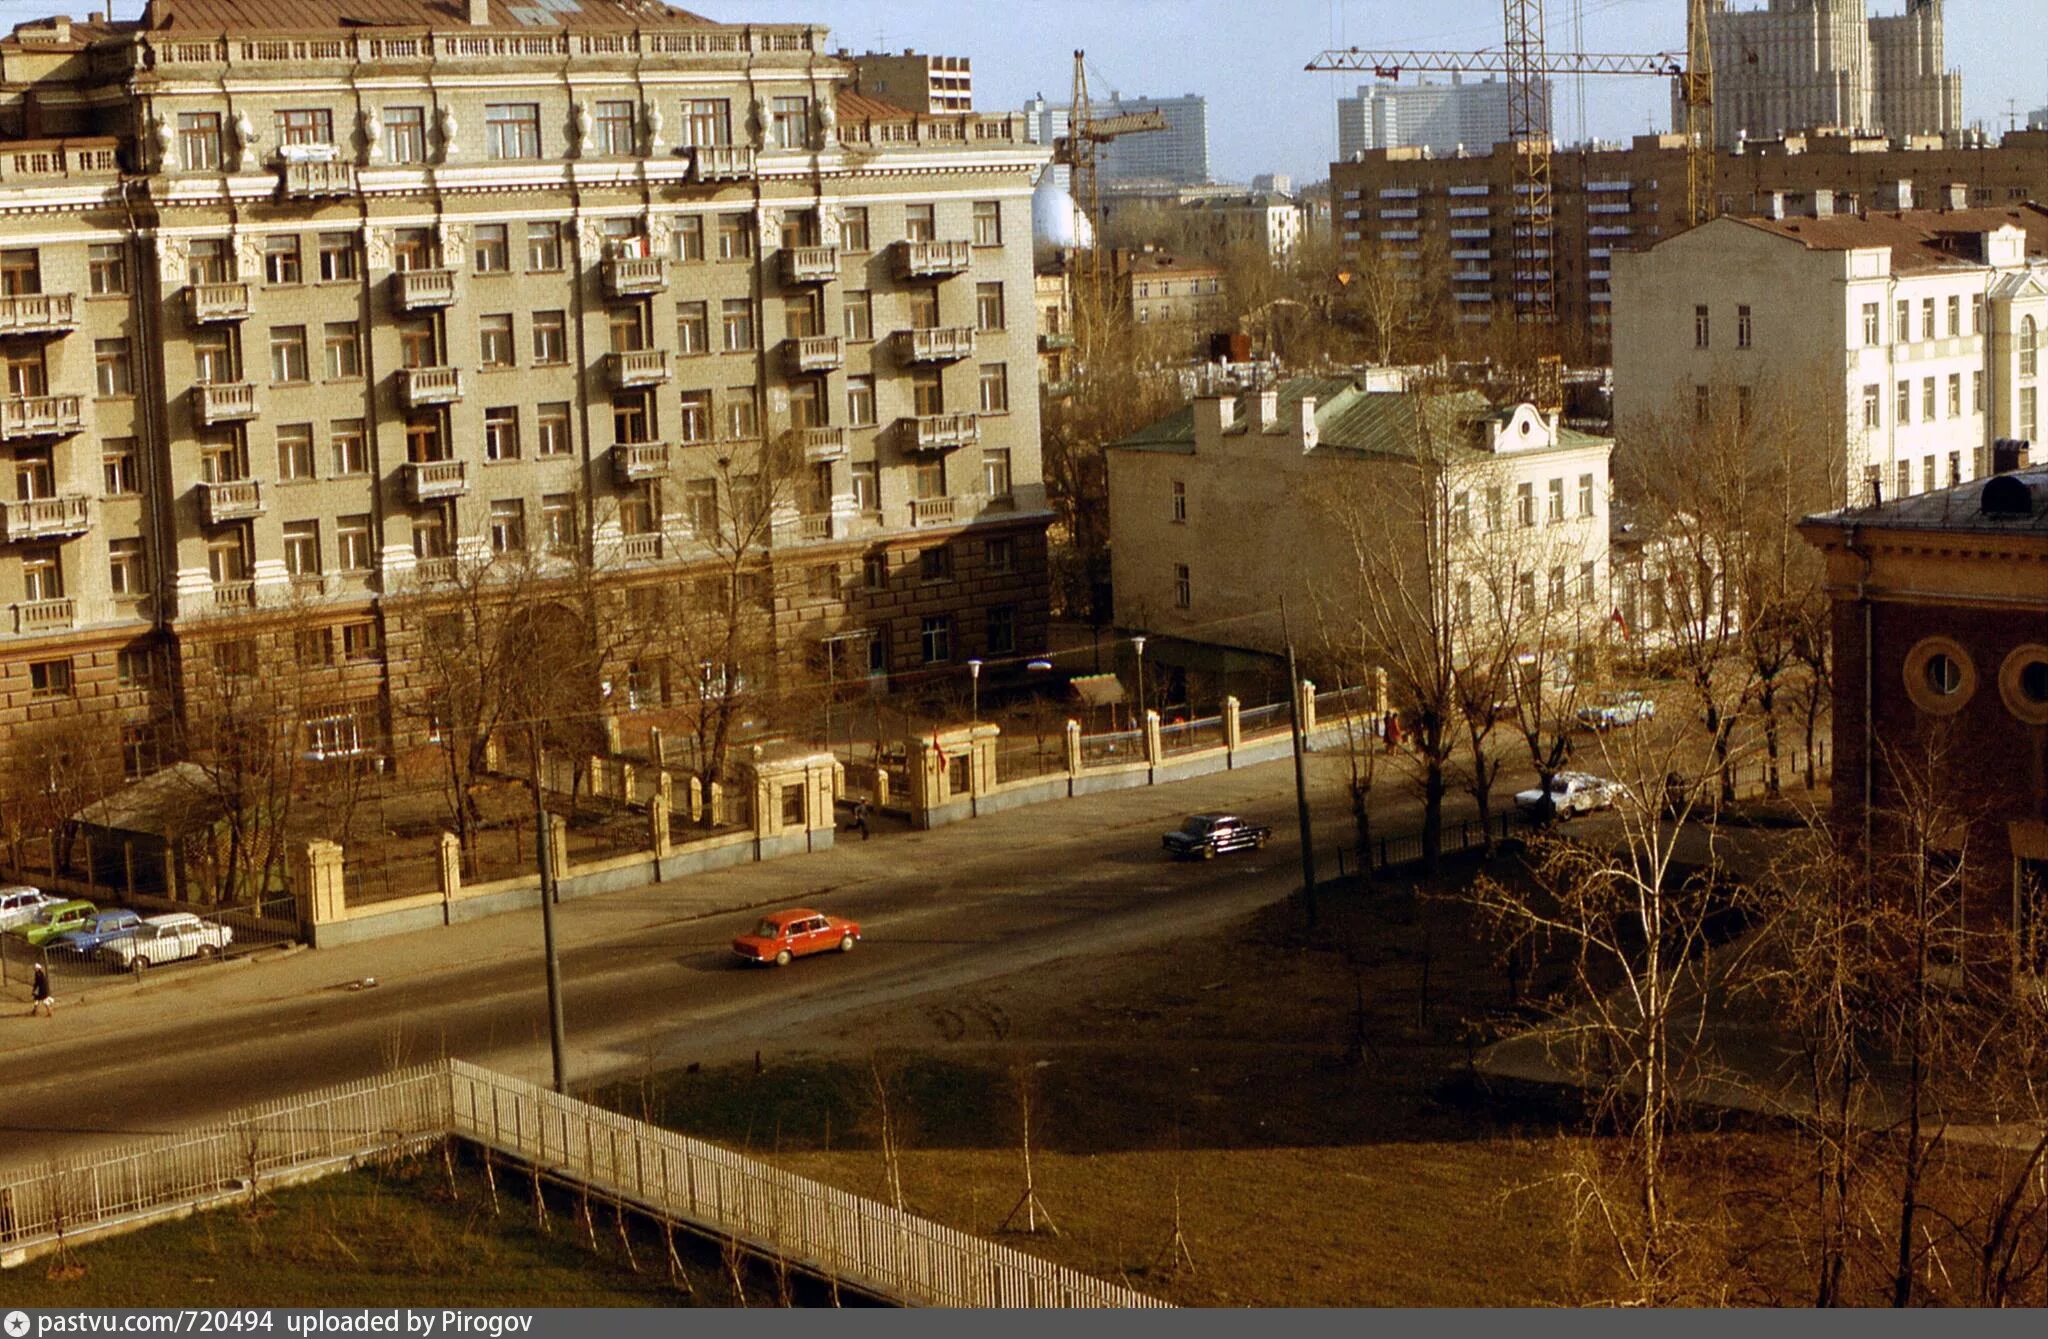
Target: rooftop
[
  {"x": 1162, "y": 262},
  {"x": 268, "y": 16},
  {"x": 2019, "y": 505},
  {"x": 1920, "y": 239}
]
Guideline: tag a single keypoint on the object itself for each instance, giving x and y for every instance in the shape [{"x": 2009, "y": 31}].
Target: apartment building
[
  {"x": 1441, "y": 117},
  {"x": 1160, "y": 288},
  {"x": 1178, "y": 154},
  {"x": 298, "y": 322},
  {"x": 1917, "y": 332},
  {"x": 1270, "y": 222},
  {"x": 1458, "y": 212},
  {"x": 1220, "y": 511},
  {"x": 936, "y": 84},
  {"x": 1053, "y": 291}
]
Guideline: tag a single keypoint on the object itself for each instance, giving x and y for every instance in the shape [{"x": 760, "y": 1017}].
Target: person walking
[
  {"x": 860, "y": 818},
  {"x": 45, "y": 1003}
]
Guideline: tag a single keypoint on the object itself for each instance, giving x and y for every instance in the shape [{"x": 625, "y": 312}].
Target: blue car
[
  {"x": 100, "y": 928},
  {"x": 1622, "y": 709}
]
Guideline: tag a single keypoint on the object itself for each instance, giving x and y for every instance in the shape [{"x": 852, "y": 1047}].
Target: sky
[{"x": 1266, "y": 114}]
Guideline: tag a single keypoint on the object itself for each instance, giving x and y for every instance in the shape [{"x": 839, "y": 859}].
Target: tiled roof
[
  {"x": 1920, "y": 239},
  {"x": 854, "y": 106},
  {"x": 1957, "y": 510},
  {"x": 232, "y": 16}
]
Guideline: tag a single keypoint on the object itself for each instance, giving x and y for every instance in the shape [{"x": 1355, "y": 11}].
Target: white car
[
  {"x": 20, "y": 904},
  {"x": 161, "y": 939},
  {"x": 1571, "y": 793}
]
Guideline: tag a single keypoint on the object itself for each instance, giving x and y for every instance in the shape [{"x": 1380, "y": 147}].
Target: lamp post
[
  {"x": 974, "y": 680},
  {"x": 1138, "y": 643}
]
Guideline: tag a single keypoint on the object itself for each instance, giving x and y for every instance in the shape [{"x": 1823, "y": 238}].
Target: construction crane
[
  {"x": 1077, "y": 149},
  {"x": 1525, "y": 62}
]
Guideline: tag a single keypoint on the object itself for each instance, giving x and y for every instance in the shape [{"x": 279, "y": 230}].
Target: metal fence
[
  {"x": 1188, "y": 736},
  {"x": 1124, "y": 746},
  {"x": 1262, "y": 720},
  {"x": 220, "y": 935}
]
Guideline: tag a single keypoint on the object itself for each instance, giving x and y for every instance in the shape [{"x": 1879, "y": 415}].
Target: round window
[
  {"x": 2034, "y": 681},
  {"x": 2023, "y": 683},
  {"x": 1940, "y": 677},
  {"x": 1944, "y": 675}
]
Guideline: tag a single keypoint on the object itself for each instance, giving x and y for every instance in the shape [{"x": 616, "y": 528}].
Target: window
[
  {"x": 112, "y": 374},
  {"x": 935, "y": 564},
  {"x": 1872, "y": 336},
  {"x": 1927, "y": 414},
  {"x": 1955, "y": 395},
  {"x": 1976, "y": 313},
  {"x": 742, "y": 423},
  {"x": 295, "y": 451},
  {"x": 789, "y": 123},
  {"x": 2029, "y": 347},
  {"x": 935, "y": 638},
  {"x": 418, "y": 344},
  {"x": 1525, "y": 504},
  {"x": 135, "y": 668},
  {"x": 430, "y": 534},
  {"x": 988, "y": 306},
  {"x": 1553, "y": 511},
  {"x": 689, "y": 237},
  {"x": 1927, "y": 475},
  {"x": 807, "y": 403},
  {"x": 995, "y": 388},
  {"x": 614, "y": 128},
  {"x": 405, "y": 134},
  {"x": 1742, "y": 327},
  {"x": 874, "y": 572},
  {"x": 1976, "y": 392},
  {"x": 693, "y": 327},
  {"x": 737, "y": 319},
  {"x": 288, "y": 353},
  {"x": 1585, "y": 495},
  {"x": 49, "y": 678},
  {"x": 199, "y": 141},
  {"x": 106, "y": 268},
  {"x": 33, "y": 475},
  {"x": 1902, "y": 321},
  {"x": 860, "y": 402},
  {"x": 2029, "y": 401},
  {"x": 995, "y": 472},
  {"x": 1873, "y": 412},
  {"x": 1183, "y": 587},
  {"x": 492, "y": 250},
  {"x": 867, "y": 486},
  {"x": 1955, "y": 316},
  {"x": 1525, "y": 589},
  {"x": 707, "y": 122},
  {"x": 927, "y": 392},
  {"x": 337, "y": 257},
  {"x": 1700, "y": 328},
  {"x": 552, "y": 421},
  {"x": 700, "y": 507},
  {"x": 352, "y": 543},
  {"x": 1902, "y": 410},
  {"x": 859, "y": 318},
  {"x": 359, "y": 641},
  {"x": 206, "y": 261},
  {"x": 924, "y": 308},
  {"x": 1461, "y": 509},
  {"x": 343, "y": 350},
  {"x": 501, "y": 433},
  {"x": 302, "y": 548},
  {"x": 42, "y": 575},
  {"x": 1702, "y": 405},
  {"x": 803, "y": 315},
  {"x": 220, "y": 460},
  {"x": 281, "y": 260},
  {"x": 928, "y": 478},
  {"x": 1903, "y": 470},
  {"x": 1556, "y": 588},
  {"x": 312, "y": 125},
  {"x": 632, "y": 417},
  {"x": 1927, "y": 318},
  {"x": 126, "y": 573},
  {"x": 550, "y": 338},
  {"x": 695, "y": 424},
  {"x": 512, "y": 130},
  {"x": 118, "y": 465},
  {"x": 558, "y": 521},
  {"x": 853, "y": 229},
  {"x": 999, "y": 632},
  {"x": 349, "y": 446},
  {"x": 1494, "y": 507},
  {"x": 920, "y": 223},
  {"x": 1587, "y": 586},
  {"x": 999, "y": 556},
  {"x": 1179, "y": 510},
  {"x": 543, "y": 247},
  {"x": 495, "y": 340},
  {"x": 735, "y": 236},
  {"x": 508, "y": 525},
  {"x": 988, "y": 223}
]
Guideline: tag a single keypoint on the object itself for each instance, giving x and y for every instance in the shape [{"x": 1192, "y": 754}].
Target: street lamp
[
  {"x": 1139, "y": 644},
  {"x": 974, "y": 678}
]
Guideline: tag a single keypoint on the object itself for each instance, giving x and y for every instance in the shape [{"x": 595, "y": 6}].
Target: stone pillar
[
  {"x": 714, "y": 801},
  {"x": 881, "y": 786},
  {"x": 491, "y": 753},
  {"x": 599, "y": 781},
  {"x": 657, "y": 824},
  {"x": 665, "y": 788},
  {"x": 627, "y": 778},
  {"x": 696, "y": 800},
  {"x": 1307, "y": 691},
  {"x": 451, "y": 866},
  {"x": 317, "y": 886},
  {"x": 1154, "y": 753},
  {"x": 1233, "y": 733},
  {"x": 558, "y": 845},
  {"x": 657, "y": 746},
  {"x": 1073, "y": 745}
]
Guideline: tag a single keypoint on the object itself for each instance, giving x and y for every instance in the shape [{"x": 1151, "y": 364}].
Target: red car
[{"x": 783, "y": 935}]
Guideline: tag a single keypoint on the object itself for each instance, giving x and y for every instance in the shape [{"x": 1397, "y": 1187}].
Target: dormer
[
  {"x": 2005, "y": 247},
  {"x": 1522, "y": 429}
]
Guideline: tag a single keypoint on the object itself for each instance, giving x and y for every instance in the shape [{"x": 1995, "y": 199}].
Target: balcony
[
  {"x": 637, "y": 462},
  {"x": 234, "y": 595},
  {"x": 637, "y": 367},
  {"x": 424, "y": 290},
  {"x": 938, "y": 432},
  {"x": 224, "y": 402},
  {"x": 315, "y": 180},
  {"x": 1050, "y": 341},
  {"x": 640, "y": 548},
  {"x": 45, "y": 615},
  {"x": 438, "y": 571},
  {"x": 811, "y": 528},
  {"x": 811, "y": 353},
  {"x": 819, "y": 445},
  {"x": 45, "y": 518},
  {"x": 940, "y": 344},
  {"x": 810, "y": 265},
  {"x": 932, "y": 510},
  {"x": 721, "y": 162},
  {"x": 37, "y": 314},
  {"x": 430, "y": 480},
  {"x": 634, "y": 276},
  {"x": 422, "y": 386},
  {"x": 213, "y": 304},
  {"x": 932, "y": 260},
  {"x": 230, "y": 500},
  {"x": 26, "y": 416}
]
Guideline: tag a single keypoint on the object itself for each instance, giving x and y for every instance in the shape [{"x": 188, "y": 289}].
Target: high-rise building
[
  {"x": 287, "y": 348},
  {"x": 934, "y": 84},
  {"x": 1177, "y": 155},
  {"x": 1442, "y": 118},
  {"x": 1825, "y": 64}
]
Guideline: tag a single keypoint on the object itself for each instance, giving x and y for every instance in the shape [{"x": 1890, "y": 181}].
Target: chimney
[
  {"x": 1823, "y": 203},
  {"x": 1956, "y": 195},
  {"x": 479, "y": 13},
  {"x": 1214, "y": 416},
  {"x": 1265, "y": 410},
  {"x": 1774, "y": 205},
  {"x": 1305, "y": 422},
  {"x": 1895, "y": 195}
]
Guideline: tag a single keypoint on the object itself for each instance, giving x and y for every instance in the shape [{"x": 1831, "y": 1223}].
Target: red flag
[{"x": 1621, "y": 623}]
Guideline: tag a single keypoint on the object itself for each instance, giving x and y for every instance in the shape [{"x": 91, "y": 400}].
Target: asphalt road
[{"x": 649, "y": 979}]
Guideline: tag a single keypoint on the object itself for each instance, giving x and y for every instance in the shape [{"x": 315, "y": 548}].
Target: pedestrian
[
  {"x": 1393, "y": 732},
  {"x": 860, "y": 818},
  {"x": 45, "y": 1003}
]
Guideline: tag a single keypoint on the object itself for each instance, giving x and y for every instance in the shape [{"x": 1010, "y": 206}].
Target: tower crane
[
  {"x": 1077, "y": 149},
  {"x": 1525, "y": 62}
]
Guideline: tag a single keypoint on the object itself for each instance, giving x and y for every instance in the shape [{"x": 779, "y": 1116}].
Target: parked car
[
  {"x": 20, "y": 904},
  {"x": 56, "y": 920},
  {"x": 1204, "y": 836},
  {"x": 100, "y": 928},
  {"x": 784, "y": 935},
  {"x": 1570, "y": 793},
  {"x": 162, "y": 939},
  {"x": 1621, "y": 709}
]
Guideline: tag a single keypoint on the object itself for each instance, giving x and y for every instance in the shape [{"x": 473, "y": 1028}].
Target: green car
[{"x": 60, "y": 919}]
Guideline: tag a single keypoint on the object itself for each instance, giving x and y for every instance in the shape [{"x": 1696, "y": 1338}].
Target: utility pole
[
  {"x": 1308, "y": 845},
  {"x": 544, "y": 848}
]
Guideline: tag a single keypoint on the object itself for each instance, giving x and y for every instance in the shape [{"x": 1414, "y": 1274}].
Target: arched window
[{"x": 2029, "y": 347}]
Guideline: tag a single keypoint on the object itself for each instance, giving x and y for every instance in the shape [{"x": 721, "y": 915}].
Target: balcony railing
[
  {"x": 819, "y": 444},
  {"x": 308, "y": 181},
  {"x": 632, "y": 276},
  {"x": 45, "y": 615},
  {"x": 932, "y": 260},
  {"x": 940, "y": 432},
  {"x": 638, "y": 367},
  {"x": 45, "y": 518},
  {"x": 234, "y": 595},
  {"x": 434, "y": 571},
  {"x": 814, "y": 527},
  {"x": 230, "y": 500},
  {"x": 637, "y": 462},
  {"x": 431, "y": 385},
  {"x": 37, "y": 314},
  {"x": 722, "y": 162},
  {"x": 212, "y": 303},
  {"x": 225, "y": 402},
  {"x": 810, "y": 264},
  {"x": 426, "y": 480},
  {"x": 1051, "y": 340},
  {"x": 419, "y": 290},
  {"x": 811, "y": 353},
  {"x": 24, "y": 416},
  {"x": 941, "y": 344},
  {"x": 932, "y": 510},
  {"x": 640, "y": 548}
]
